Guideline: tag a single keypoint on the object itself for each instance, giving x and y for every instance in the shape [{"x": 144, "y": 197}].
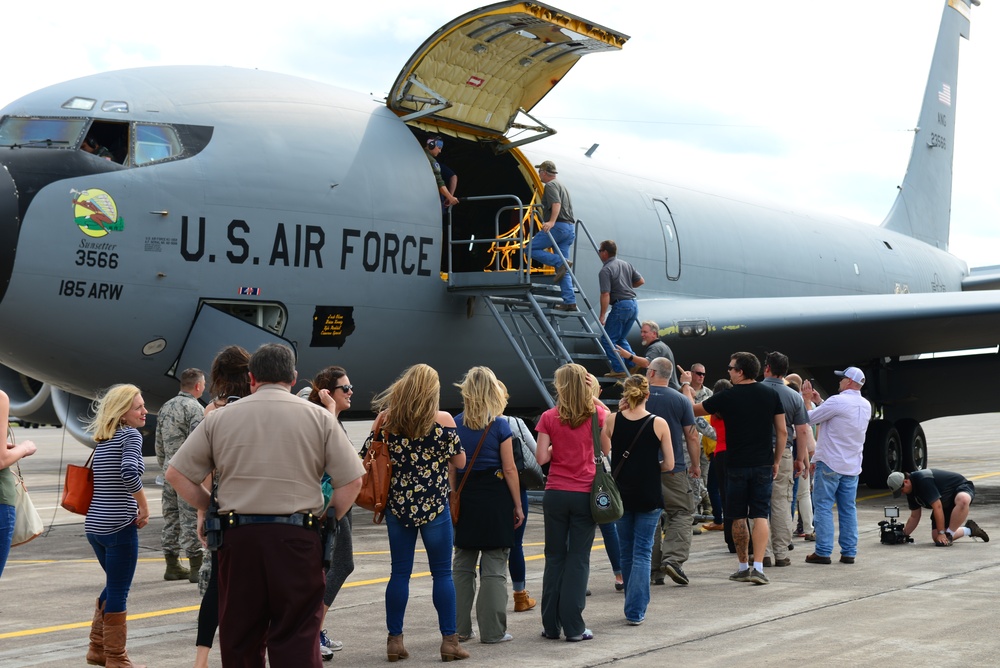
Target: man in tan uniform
[{"x": 270, "y": 450}]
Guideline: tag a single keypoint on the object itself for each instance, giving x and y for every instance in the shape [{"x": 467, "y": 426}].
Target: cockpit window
[
  {"x": 41, "y": 132},
  {"x": 155, "y": 142},
  {"x": 116, "y": 106},
  {"x": 79, "y": 103}
]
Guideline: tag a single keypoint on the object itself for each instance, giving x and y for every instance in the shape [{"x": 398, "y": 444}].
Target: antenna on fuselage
[{"x": 590, "y": 151}]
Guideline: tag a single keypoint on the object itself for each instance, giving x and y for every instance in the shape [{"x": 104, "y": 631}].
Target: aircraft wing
[
  {"x": 833, "y": 331},
  {"x": 982, "y": 278}
]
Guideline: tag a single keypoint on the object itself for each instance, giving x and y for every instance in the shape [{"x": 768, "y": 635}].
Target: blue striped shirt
[{"x": 118, "y": 469}]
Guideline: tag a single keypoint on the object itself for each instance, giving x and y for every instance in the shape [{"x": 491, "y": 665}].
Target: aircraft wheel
[
  {"x": 883, "y": 453},
  {"x": 911, "y": 435}
]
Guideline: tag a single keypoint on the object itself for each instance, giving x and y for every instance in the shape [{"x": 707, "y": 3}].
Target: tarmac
[{"x": 913, "y": 604}]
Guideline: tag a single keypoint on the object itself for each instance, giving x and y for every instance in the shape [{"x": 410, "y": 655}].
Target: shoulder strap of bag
[
  {"x": 642, "y": 427},
  {"x": 468, "y": 466},
  {"x": 377, "y": 427},
  {"x": 595, "y": 436}
]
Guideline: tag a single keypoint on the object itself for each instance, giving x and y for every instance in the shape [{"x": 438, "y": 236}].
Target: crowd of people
[{"x": 274, "y": 469}]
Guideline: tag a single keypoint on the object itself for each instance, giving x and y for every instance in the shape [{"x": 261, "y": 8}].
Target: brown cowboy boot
[
  {"x": 451, "y": 650},
  {"x": 394, "y": 648},
  {"x": 115, "y": 634},
  {"x": 95, "y": 653}
]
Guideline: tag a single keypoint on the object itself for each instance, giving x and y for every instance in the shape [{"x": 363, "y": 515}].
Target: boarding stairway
[{"x": 522, "y": 299}]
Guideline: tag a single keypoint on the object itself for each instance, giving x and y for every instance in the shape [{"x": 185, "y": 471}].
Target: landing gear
[
  {"x": 911, "y": 435},
  {"x": 883, "y": 453}
]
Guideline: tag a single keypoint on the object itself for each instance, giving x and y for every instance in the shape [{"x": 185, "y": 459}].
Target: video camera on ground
[{"x": 891, "y": 531}]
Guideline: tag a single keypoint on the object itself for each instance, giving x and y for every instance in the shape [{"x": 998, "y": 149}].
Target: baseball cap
[
  {"x": 854, "y": 373},
  {"x": 547, "y": 166},
  {"x": 895, "y": 482}
]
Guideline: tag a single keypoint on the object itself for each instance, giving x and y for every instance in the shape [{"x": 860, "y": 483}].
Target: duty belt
[{"x": 231, "y": 520}]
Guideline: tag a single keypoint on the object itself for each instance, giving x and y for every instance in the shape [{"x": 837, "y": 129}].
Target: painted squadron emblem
[{"x": 96, "y": 212}]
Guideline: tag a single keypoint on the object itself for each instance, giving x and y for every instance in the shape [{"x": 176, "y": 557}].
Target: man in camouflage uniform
[
  {"x": 699, "y": 486},
  {"x": 176, "y": 420}
]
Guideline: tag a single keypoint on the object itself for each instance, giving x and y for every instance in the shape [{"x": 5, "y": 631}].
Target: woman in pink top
[{"x": 565, "y": 441}]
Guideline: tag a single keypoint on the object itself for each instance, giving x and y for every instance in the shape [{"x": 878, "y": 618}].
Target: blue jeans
[
  {"x": 563, "y": 234},
  {"x": 438, "y": 538},
  {"x": 117, "y": 553},
  {"x": 713, "y": 489},
  {"x": 829, "y": 487},
  {"x": 609, "y": 532},
  {"x": 515, "y": 563},
  {"x": 7, "y": 515},
  {"x": 636, "y": 531},
  {"x": 617, "y": 324}
]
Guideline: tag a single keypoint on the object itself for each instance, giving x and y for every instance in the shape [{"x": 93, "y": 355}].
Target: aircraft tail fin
[{"x": 922, "y": 208}]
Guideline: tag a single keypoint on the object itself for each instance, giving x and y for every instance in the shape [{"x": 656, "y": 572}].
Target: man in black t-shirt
[
  {"x": 751, "y": 411},
  {"x": 947, "y": 495}
]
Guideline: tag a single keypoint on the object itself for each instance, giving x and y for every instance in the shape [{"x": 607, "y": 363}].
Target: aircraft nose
[{"x": 10, "y": 225}]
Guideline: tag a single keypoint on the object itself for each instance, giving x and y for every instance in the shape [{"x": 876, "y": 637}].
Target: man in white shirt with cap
[{"x": 844, "y": 418}]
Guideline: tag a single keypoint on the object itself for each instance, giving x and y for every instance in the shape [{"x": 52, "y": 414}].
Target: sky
[{"x": 807, "y": 104}]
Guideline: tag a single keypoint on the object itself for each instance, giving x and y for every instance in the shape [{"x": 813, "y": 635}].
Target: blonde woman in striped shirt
[{"x": 117, "y": 511}]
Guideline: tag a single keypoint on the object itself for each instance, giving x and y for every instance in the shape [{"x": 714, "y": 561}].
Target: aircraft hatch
[
  {"x": 477, "y": 73},
  {"x": 212, "y": 325}
]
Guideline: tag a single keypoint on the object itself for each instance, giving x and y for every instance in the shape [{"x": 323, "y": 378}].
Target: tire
[
  {"x": 911, "y": 435},
  {"x": 883, "y": 454}
]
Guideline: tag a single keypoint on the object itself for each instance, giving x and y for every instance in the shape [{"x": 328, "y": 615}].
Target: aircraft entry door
[
  {"x": 213, "y": 330},
  {"x": 670, "y": 241}
]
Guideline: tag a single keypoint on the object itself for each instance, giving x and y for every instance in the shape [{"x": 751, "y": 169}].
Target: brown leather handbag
[
  {"x": 374, "y": 494},
  {"x": 78, "y": 490}
]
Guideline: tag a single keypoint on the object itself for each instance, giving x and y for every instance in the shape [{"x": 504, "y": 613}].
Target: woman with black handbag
[
  {"x": 565, "y": 439},
  {"x": 640, "y": 450},
  {"x": 530, "y": 476},
  {"x": 491, "y": 507}
]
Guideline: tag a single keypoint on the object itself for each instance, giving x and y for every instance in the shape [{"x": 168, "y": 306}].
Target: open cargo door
[{"x": 475, "y": 75}]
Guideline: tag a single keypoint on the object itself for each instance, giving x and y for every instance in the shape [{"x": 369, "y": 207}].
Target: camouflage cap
[{"x": 547, "y": 166}]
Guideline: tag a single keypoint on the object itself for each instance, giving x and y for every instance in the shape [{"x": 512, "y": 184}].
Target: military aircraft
[{"x": 240, "y": 206}]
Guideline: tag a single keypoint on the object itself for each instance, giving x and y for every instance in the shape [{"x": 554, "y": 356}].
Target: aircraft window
[
  {"x": 266, "y": 315},
  {"x": 41, "y": 132},
  {"x": 115, "y": 106},
  {"x": 79, "y": 103},
  {"x": 156, "y": 142}
]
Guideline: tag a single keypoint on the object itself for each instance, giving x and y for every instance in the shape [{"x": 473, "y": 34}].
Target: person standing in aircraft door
[
  {"x": 618, "y": 280},
  {"x": 558, "y": 221},
  {"x": 433, "y": 147}
]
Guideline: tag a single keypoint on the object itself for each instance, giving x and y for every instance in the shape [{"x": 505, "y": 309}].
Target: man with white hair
[{"x": 837, "y": 463}]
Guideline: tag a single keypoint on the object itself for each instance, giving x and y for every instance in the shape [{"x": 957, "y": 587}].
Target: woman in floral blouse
[{"x": 425, "y": 451}]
